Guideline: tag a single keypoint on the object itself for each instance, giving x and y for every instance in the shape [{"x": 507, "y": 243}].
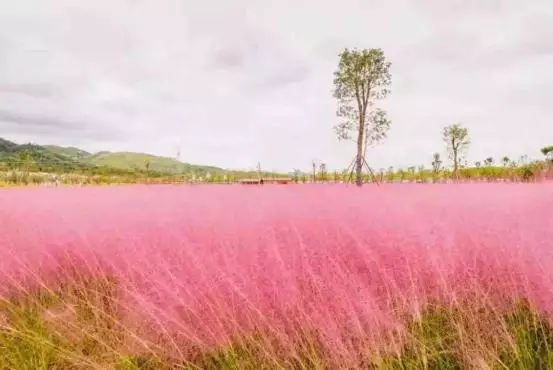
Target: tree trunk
[
  {"x": 359, "y": 158},
  {"x": 455, "y": 166}
]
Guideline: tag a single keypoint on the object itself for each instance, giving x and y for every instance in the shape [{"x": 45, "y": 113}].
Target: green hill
[
  {"x": 55, "y": 158},
  {"x": 70, "y": 152},
  {"x": 137, "y": 162},
  {"x": 36, "y": 156},
  {"x": 6, "y": 146}
]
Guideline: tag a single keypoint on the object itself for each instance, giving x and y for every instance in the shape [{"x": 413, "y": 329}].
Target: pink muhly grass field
[{"x": 202, "y": 264}]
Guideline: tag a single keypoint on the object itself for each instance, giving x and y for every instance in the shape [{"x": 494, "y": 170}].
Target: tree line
[{"x": 361, "y": 80}]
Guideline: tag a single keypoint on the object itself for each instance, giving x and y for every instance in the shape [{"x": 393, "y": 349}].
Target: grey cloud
[
  {"x": 231, "y": 82},
  {"x": 228, "y": 58},
  {"x": 39, "y": 120},
  {"x": 255, "y": 57},
  {"x": 35, "y": 90},
  {"x": 283, "y": 76},
  {"x": 29, "y": 123},
  {"x": 475, "y": 35},
  {"x": 235, "y": 48},
  {"x": 453, "y": 9}
]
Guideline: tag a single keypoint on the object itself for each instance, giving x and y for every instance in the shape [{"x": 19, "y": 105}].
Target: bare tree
[
  {"x": 420, "y": 172},
  {"x": 297, "y": 174},
  {"x": 411, "y": 170},
  {"x": 322, "y": 170},
  {"x": 390, "y": 174},
  {"x": 147, "y": 166},
  {"x": 523, "y": 159},
  {"x": 362, "y": 78},
  {"x": 436, "y": 163},
  {"x": 457, "y": 140}
]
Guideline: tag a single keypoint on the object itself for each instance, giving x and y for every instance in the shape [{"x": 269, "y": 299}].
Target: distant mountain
[
  {"x": 11, "y": 152},
  {"x": 71, "y": 152},
  {"x": 55, "y": 157},
  {"x": 137, "y": 162},
  {"x": 6, "y": 146}
]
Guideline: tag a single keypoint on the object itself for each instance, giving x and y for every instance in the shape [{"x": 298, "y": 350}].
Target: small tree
[
  {"x": 345, "y": 175},
  {"x": 25, "y": 160},
  {"x": 322, "y": 170},
  {"x": 390, "y": 174},
  {"x": 488, "y": 171},
  {"x": 457, "y": 140},
  {"x": 297, "y": 174},
  {"x": 402, "y": 174},
  {"x": 362, "y": 78},
  {"x": 421, "y": 172},
  {"x": 147, "y": 167},
  {"x": 436, "y": 163},
  {"x": 505, "y": 161},
  {"x": 411, "y": 170},
  {"x": 548, "y": 152}
]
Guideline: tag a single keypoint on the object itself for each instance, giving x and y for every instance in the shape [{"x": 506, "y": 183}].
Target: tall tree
[
  {"x": 457, "y": 140},
  {"x": 506, "y": 160},
  {"x": 362, "y": 78}
]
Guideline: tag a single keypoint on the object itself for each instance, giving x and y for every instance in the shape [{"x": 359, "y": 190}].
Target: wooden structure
[{"x": 269, "y": 180}]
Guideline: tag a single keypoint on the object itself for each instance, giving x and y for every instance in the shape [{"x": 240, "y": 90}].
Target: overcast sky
[{"x": 237, "y": 82}]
